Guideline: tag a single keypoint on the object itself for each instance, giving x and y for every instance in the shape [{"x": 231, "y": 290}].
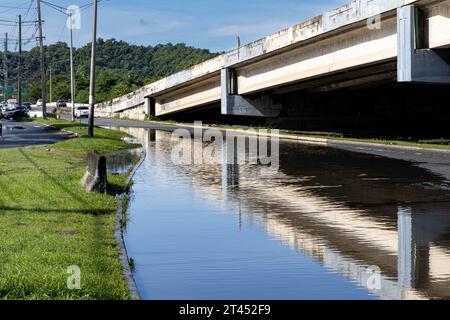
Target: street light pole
[
  {"x": 72, "y": 71},
  {"x": 41, "y": 45},
  {"x": 19, "y": 64},
  {"x": 51, "y": 82},
  {"x": 92, "y": 80},
  {"x": 5, "y": 68}
]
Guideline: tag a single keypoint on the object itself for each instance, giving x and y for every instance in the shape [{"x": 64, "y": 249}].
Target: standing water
[{"x": 329, "y": 224}]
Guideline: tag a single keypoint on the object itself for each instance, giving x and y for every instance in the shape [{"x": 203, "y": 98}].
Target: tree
[{"x": 121, "y": 67}]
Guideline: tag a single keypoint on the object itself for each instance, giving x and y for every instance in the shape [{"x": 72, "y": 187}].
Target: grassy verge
[
  {"x": 48, "y": 222},
  {"x": 381, "y": 141},
  {"x": 340, "y": 137}
]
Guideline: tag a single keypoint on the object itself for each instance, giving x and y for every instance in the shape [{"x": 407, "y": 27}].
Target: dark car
[
  {"x": 8, "y": 113},
  {"x": 61, "y": 104},
  {"x": 2, "y": 111},
  {"x": 22, "y": 111},
  {"x": 27, "y": 105},
  {"x": 15, "y": 113}
]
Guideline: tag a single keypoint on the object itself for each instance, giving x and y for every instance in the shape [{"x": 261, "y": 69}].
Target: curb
[
  {"x": 118, "y": 234},
  {"x": 333, "y": 143}
]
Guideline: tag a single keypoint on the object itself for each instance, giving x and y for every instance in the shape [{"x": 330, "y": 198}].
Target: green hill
[{"x": 121, "y": 67}]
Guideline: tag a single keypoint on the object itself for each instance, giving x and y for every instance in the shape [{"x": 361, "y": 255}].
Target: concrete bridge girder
[
  {"x": 201, "y": 93},
  {"x": 429, "y": 65},
  {"x": 328, "y": 47}
]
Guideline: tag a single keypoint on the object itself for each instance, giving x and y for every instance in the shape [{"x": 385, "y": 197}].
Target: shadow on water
[{"x": 347, "y": 225}]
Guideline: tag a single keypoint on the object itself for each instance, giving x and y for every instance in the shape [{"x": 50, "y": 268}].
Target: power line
[
  {"x": 63, "y": 10},
  {"x": 11, "y": 8},
  {"x": 55, "y": 7},
  {"x": 24, "y": 18},
  {"x": 29, "y": 9},
  {"x": 30, "y": 26},
  {"x": 14, "y": 41}
]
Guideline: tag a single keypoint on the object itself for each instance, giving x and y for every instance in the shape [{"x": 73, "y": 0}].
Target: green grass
[
  {"x": 340, "y": 137},
  {"x": 394, "y": 142},
  {"x": 391, "y": 142},
  {"x": 48, "y": 222}
]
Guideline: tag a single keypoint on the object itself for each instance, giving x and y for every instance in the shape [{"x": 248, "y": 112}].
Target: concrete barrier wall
[
  {"x": 348, "y": 50},
  {"x": 138, "y": 113}
]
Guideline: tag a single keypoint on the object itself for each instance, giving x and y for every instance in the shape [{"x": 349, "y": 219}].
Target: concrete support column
[
  {"x": 149, "y": 104},
  {"x": 257, "y": 105},
  {"x": 416, "y": 64},
  {"x": 226, "y": 103},
  {"x": 111, "y": 110},
  {"x": 413, "y": 249},
  {"x": 405, "y": 256}
]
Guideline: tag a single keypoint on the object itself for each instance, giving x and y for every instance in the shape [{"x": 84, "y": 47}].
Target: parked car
[
  {"x": 15, "y": 113},
  {"x": 27, "y": 105},
  {"x": 81, "y": 112},
  {"x": 61, "y": 104},
  {"x": 11, "y": 101},
  {"x": 8, "y": 113}
]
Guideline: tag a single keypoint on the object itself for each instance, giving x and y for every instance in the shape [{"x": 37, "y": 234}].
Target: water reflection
[
  {"x": 122, "y": 161},
  {"x": 351, "y": 212}
]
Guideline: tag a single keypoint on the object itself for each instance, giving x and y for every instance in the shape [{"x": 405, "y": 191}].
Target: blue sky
[{"x": 210, "y": 24}]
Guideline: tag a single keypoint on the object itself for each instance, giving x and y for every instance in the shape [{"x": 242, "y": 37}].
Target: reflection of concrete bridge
[
  {"x": 332, "y": 51},
  {"x": 340, "y": 225}
]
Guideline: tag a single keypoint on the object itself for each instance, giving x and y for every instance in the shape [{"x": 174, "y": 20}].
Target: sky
[{"x": 209, "y": 24}]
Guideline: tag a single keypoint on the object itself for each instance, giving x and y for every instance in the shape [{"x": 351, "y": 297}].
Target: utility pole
[
  {"x": 72, "y": 71},
  {"x": 50, "y": 71},
  {"x": 238, "y": 43},
  {"x": 19, "y": 63},
  {"x": 5, "y": 67},
  {"x": 41, "y": 45},
  {"x": 92, "y": 84}
]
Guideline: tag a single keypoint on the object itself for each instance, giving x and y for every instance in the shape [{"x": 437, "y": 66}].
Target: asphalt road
[{"x": 25, "y": 134}]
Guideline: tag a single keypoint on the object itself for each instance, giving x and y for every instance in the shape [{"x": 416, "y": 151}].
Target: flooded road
[{"x": 329, "y": 224}]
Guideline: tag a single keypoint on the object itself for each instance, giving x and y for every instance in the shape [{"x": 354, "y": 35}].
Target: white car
[
  {"x": 39, "y": 103},
  {"x": 81, "y": 112}
]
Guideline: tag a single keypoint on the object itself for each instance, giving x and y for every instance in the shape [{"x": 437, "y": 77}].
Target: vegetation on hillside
[{"x": 122, "y": 67}]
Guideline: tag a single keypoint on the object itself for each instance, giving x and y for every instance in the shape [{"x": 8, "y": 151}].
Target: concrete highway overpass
[{"x": 363, "y": 43}]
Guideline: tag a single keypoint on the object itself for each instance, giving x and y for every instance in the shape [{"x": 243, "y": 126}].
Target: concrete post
[
  {"x": 96, "y": 178},
  {"x": 226, "y": 90},
  {"x": 149, "y": 104},
  {"x": 405, "y": 43},
  {"x": 257, "y": 105}
]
